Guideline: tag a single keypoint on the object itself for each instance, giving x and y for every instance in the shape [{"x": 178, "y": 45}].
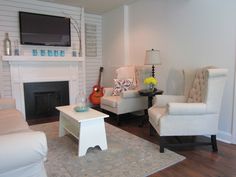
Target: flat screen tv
[{"x": 48, "y": 30}]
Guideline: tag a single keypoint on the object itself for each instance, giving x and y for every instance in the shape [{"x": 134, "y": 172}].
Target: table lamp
[{"x": 153, "y": 58}]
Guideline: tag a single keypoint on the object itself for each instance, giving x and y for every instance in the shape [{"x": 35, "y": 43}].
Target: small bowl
[{"x": 81, "y": 109}]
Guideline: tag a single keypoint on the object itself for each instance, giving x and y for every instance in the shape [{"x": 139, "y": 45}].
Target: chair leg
[
  {"x": 118, "y": 120},
  {"x": 214, "y": 143},
  {"x": 162, "y": 144},
  {"x": 151, "y": 130},
  {"x": 144, "y": 118}
]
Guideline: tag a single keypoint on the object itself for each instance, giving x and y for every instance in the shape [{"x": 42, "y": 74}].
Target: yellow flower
[{"x": 150, "y": 80}]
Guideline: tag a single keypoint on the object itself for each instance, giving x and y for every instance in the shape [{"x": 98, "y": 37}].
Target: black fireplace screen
[{"x": 41, "y": 98}]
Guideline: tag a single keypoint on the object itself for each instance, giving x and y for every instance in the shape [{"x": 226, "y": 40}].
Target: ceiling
[{"x": 94, "y": 6}]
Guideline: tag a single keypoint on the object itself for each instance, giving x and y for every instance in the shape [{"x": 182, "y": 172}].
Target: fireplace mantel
[
  {"x": 41, "y": 59},
  {"x": 27, "y": 69}
]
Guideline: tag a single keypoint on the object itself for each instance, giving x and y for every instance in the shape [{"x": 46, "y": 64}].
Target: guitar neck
[{"x": 99, "y": 79}]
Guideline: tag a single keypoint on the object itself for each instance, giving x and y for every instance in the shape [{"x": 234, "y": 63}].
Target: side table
[{"x": 150, "y": 95}]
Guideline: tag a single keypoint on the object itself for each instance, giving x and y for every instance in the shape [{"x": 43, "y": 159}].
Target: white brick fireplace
[{"x": 42, "y": 69}]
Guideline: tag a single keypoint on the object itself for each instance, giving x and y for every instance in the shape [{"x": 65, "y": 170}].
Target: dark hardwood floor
[{"x": 200, "y": 161}]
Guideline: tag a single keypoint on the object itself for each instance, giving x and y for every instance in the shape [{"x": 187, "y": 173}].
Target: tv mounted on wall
[{"x": 48, "y": 30}]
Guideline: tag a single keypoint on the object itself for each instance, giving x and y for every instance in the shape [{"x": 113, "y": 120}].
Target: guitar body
[{"x": 95, "y": 96}]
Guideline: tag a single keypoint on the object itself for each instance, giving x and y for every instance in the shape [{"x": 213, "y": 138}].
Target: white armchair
[
  {"x": 128, "y": 101},
  {"x": 197, "y": 113}
]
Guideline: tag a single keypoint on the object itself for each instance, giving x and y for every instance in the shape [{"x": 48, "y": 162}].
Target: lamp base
[{"x": 153, "y": 71}]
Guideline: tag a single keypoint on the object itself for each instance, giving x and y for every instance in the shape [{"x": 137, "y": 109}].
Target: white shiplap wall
[
  {"x": 93, "y": 62},
  {"x": 9, "y": 23}
]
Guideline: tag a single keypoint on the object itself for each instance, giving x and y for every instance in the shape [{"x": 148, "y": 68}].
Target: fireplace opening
[{"x": 41, "y": 98}]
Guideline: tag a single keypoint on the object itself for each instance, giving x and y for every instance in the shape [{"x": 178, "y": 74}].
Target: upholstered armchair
[
  {"x": 196, "y": 113},
  {"x": 127, "y": 101}
]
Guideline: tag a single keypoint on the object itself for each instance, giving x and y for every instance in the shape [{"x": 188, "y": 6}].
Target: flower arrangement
[{"x": 151, "y": 82}]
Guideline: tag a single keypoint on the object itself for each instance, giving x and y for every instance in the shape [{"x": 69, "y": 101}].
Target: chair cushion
[
  {"x": 121, "y": 85},
  {"x": 112, "y": 101},
  {"x": 127, "y": 72},
  {"x": 130, "y": 94},
  {"x": 11, "y": 121}
]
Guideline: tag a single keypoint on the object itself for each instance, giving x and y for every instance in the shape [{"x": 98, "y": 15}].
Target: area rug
[{"x": 127, "y": 155}]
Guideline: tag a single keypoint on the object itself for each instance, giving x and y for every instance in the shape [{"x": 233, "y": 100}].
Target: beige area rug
[{"x": 127, "y": 155}]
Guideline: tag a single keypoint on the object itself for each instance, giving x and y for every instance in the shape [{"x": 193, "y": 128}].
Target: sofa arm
[
  {"x": 7, "y": 103},
  {"x": 163, "y": 100},
  {"x": 107, "y": 91},
  {"x": 130, "y": 94},
  {"x": 22, "y": 149},
  {"x": 186, "y": 108}
]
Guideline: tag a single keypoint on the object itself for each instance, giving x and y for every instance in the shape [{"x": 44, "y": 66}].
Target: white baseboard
[{"x": 224, "y": 137}]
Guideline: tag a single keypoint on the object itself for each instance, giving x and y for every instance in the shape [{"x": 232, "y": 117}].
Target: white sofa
[{"x": 22, "y": 151}]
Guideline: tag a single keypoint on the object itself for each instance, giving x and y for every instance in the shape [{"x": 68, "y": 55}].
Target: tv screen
[{"x": 38, "y": 29}]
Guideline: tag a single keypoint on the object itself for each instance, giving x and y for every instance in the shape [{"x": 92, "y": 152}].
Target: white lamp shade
[{"x": 152, "y": 57}]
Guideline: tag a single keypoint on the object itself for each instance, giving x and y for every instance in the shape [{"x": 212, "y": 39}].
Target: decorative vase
[
  {"x": 7, "y": 45},
  {"x": 151, "y": 87},
  {"x": 81, "y": 103}
]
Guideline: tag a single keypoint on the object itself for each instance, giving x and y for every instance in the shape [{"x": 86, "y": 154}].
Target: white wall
[
  {"x": 234, "y": 105},
  {"x": 113, "y": 43},
  {"x": 190, "y": 34}
]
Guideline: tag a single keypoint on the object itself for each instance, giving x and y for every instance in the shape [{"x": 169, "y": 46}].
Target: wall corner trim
[{"x": 224, "y": 137}]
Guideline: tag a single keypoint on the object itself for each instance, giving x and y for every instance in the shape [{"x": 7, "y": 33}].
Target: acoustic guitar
[{"x": 95, "y": 96}]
